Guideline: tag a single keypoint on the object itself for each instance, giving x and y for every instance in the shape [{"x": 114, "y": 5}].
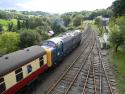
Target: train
[{"x": 20, "y": 68}]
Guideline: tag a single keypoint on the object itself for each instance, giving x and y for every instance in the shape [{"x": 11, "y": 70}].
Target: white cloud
[{"x": 61, "y": 6}]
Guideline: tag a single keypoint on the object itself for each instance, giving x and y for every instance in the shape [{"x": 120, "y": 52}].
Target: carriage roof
[{"x": 19, "y": 58}]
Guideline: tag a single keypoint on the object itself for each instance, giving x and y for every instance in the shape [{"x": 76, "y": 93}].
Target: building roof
[{"x": 14, "y": 60}]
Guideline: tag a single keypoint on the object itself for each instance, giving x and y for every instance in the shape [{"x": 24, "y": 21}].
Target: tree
[
  {"x": 1, "y": 28},
  {"x": 43, "y": 33},
  {"x": 58, "y": 28},
  {"x": 9, "y": 42},
  {"x": 66, "y": 19},
  {"x": 40, "y": 29},
  {"x": 118, "y": 7},
  {"x": 106, "y": 13},
  {"x": 29, "y": 38},
  {"x": 10, "y": 26},
  {"x": 18, "y": 24},
  {"x": 117, "y": 37},
  {"x": 58, "y": 25},
  {"x": 27, "y": 24},
  {"x": 98, "y": 22},
  {"x": 34, "y": 22},
  {"x": 77, "y": 20},
  {"x": 120, "y": 21}
]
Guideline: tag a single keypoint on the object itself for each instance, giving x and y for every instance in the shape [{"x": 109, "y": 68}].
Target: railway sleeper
[{"x": 90, "y": 91}]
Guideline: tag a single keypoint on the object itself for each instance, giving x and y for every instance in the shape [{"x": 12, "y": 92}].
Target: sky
[{"x": 55, "y": 6}]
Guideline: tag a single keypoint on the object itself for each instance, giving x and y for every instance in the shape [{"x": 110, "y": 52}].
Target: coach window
[
  {"x": 41, "y": 61},
  {"x": 2, "y": 85},
  {"x": 19, "y": 74},
  {"x": 29, "y": 68}
]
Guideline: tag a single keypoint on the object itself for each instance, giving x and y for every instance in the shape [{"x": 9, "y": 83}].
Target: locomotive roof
[
  {"x": 55, "y": 40},
  {"x": 63, "y": 37},
  {"x": 19, "y": 58}
]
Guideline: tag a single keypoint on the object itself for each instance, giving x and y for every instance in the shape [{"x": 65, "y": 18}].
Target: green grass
[
  {"x": 5, "y": 23},
  {"x": 118, "y": 60},
  {"x": 14, "y": 21}
]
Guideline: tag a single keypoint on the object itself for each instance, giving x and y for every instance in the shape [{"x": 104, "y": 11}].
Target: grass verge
[{"x": 118, "y": 61}]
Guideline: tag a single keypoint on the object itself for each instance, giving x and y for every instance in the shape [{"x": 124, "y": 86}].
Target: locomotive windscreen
[{"x": 49, "y": 43}]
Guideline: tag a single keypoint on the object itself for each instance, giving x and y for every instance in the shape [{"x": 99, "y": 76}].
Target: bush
[
  {"x": 29, "y": 38},
  {"x": 9, "y": 42},
  {"x": 77, "y": 20}
]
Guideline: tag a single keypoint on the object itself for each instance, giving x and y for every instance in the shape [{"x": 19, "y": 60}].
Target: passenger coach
[{"x": 19, "y": 68}]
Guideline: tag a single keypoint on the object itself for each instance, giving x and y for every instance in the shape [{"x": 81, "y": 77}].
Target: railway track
[
  {"x": 38, "y": 87},
  {"x": 97, "y": 80},
  {"x": 107, "y": 82},
  {"x": 66, "y": 81},
  {"x": 87, "y": 74}
]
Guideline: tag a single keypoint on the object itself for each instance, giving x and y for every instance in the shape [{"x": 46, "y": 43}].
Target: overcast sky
[{"x": 55, "y": 6}]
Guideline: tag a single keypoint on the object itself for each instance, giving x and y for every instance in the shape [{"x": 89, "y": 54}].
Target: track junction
[{"x": 87, "y": 74}]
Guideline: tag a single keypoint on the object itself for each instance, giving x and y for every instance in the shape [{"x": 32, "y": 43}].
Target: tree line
[
  {"x": 32, "y": 27},
  {"x": 117, "y": 24},
  {"x": 25, "y": 33},
  {"x": 33, "y": 30}
]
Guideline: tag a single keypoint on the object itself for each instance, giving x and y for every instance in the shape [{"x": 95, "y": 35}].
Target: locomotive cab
[{"x": 54, "y": 49}]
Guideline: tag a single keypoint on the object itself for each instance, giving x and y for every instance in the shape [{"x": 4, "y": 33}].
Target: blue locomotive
[{"x": 58, "y": 47}]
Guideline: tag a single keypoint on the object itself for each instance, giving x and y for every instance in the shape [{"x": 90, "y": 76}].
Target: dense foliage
[
  {"x": 98, "y": 22},
  {"x": 32, "y": 27},
  {"x": 9, "y": 42},
  {"x": 29, "y": 38},
  {"x": 117, "y": 37},
  {"x": 106, "y": 13},
  {"x": 118, "y": 7},
  {"x": 117, "y": 24},
  {"x": 1, "y": 28}
]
